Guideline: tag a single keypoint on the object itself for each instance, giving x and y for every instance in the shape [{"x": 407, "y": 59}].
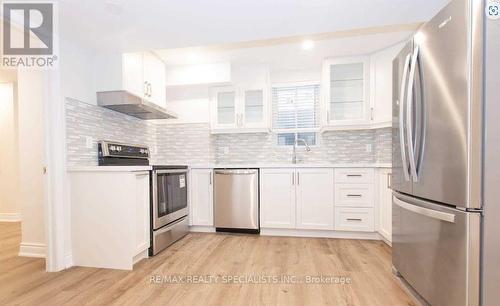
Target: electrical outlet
[
  {"x": 368, "y": 148},
  {"x": 89, "y": 142}
]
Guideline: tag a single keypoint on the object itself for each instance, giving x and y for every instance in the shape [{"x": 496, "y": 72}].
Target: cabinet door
[
  {"x": 254, "y": 108},
  {"x": 385, "y": 204},
  {"x": 347, "y": 95},
  {"x": 133, "y": 74},
  {"x": 201, "y": 207},
  {"x": 315, "y": 199},
  {"x": 277, "y": 198},
  {"x": 142, "y": 230},
  {"x": 224, "y": 108},
  {"x": 154, "y": 75}
]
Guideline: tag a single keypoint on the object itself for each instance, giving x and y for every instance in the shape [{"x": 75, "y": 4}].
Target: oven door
[{"x": 169, "y": 196}]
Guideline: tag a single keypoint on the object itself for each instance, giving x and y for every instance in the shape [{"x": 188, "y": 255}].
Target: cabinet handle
[
  {"x": 150, "y": 90},
  {"x": 146, "y": 88},
  {"x": 298, "y": 178},
  {"x": 354, "y": 175},
  {"x": 354, "y": 195},
  {"x": 210, "y": 176},
  {"x": 389, "y": 180},
  {"x": 354, "y": 219},
  {"x": 371, "y": 113}
]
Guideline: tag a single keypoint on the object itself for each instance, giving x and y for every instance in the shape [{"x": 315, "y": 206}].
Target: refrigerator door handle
[
  {"x": 409, "y": 116},
  {"x": 401, "y": 118},
  {"x": 443, "y": 216}
]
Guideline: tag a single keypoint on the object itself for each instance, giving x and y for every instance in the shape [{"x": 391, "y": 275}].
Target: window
[{"x": 296, "y": 113}]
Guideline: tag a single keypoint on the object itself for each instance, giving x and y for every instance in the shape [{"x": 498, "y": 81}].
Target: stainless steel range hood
[{"x": 124, "y": 102}]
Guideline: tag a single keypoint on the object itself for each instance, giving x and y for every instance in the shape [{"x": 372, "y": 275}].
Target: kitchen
[{"x": 343, "y": 167}]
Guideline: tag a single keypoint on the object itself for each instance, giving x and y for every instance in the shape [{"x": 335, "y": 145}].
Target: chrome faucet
[{"x": 295, "y": 144}]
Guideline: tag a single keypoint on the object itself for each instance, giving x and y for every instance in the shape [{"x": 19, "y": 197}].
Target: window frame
[{"x": 316, "y": 130}]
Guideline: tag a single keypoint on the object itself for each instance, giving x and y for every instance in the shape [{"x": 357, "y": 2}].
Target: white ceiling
[
  {"x": 130, "y": 25},
  {"x": 285, "y": 56}
]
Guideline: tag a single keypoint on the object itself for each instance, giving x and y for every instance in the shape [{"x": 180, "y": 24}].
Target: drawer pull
[
  {"x": 354, "y": 175},
  {"x": 354, "y": 219},
  {"x": 354, "y": 195}
]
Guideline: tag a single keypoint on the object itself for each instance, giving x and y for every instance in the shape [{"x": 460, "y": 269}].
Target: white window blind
[{"x": 296, "y": 113}]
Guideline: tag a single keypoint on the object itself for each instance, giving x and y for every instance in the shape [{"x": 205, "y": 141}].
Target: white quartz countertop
[
  {"x": 369, "y": 165},
  {"x": 226, "y": 166},
  {"x": 108, "y": 168}
]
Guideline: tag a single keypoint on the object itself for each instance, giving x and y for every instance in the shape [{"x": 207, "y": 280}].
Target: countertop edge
[{"x": 108, "y": 168}]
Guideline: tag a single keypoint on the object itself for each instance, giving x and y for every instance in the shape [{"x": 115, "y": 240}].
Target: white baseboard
[
  {"x": 319, "y": 234},
  {"x": 10, "y": 217},
  {"x": 68, "y": 261},
  {"x": 202, "y": 229},
  {"x": 37, "y": 250},
  {"x": 142, "y": 255}
]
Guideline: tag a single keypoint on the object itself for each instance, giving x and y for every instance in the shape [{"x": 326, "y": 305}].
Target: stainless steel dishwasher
[{"x": 236, "y": 200}]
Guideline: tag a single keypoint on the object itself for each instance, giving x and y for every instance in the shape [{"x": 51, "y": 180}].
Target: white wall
[
  {"x": 77, "y": 72},
  {"x": 31, "y": 160},
  {"x": 9, "y": 159}
]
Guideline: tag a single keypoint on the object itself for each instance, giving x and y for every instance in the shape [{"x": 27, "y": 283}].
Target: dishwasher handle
[{"x": 237, "y": 172}]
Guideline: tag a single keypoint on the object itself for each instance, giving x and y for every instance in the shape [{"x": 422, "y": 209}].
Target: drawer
[
  {"x": 354, "y": 175},
  {"x": 354, "y": 195},
  {"x": 354, "y": 219}
]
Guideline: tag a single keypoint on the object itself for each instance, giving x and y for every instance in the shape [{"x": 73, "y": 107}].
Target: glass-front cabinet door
[
  {"x": 347, "y": 91},
  {"x": 254, "y": 108},
  {"x": 224, "y": 107},
  {"x": 241, "y": 109}
]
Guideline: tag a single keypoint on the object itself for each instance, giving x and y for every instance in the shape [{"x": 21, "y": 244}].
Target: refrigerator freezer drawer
[{"x": 436, "y": 250}]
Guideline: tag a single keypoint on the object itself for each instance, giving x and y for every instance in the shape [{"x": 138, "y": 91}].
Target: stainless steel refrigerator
[{"x": 446, "y": 157}]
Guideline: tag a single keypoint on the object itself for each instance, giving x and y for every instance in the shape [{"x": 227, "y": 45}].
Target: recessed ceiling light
[{"x": 307, "y": 44}]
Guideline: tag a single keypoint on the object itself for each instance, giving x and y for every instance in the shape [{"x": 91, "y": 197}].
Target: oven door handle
[{"x": 170, "y": 171}]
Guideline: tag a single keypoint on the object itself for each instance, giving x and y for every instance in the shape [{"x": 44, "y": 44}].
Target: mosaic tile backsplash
[
  {"x": 86, "y": 120},
  {"x": 193, "y": 144}
]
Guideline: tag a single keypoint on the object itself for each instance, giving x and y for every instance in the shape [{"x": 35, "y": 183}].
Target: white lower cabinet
[
  {"x": 354, "y": 200},
  {"x": 385, "y": 204},
  {"x": 142, "y": 207},
  {"x": 110, "y": 216},
  {"x": 201, "y": 198},
  {"x": 315, "y": 199},
  {"x": 277, "y": 198},
  {"x": 297, "y": 198},
  {"x": 354, "y": 219}
]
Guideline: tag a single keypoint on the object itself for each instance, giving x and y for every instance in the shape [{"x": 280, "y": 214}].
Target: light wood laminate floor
[{"x": 367, "y": 264}]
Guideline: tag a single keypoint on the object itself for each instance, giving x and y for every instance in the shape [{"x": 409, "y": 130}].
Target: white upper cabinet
[
  {"x": 140, "y": 73},
  {"x": 224, "y": 108},
  {"x": 346, "y": 87},
  {"x": 239, "y": 109},
  {"x": 155, "y": 79}
]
